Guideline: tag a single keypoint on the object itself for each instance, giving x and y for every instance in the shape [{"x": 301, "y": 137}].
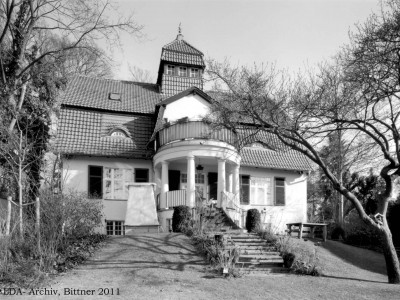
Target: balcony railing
[
  {"x": 176, "y": 198},
  {"x": 194, "y": 130}
]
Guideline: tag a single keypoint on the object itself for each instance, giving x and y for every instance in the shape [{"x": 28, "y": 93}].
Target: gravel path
[{"x": 166, "y": 266}]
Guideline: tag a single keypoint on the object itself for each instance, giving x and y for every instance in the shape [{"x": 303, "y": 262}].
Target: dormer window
[
  {"x": 114, "y": 96},
  {"x": 182, "y": 71},
  {"x": 170, "y": 70},
  {"x": 194, "y": 72},
  {"x": 118, "y": 133}
]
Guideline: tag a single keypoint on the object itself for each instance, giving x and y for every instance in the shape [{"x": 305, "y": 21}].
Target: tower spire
[{"x": 179, "y": 37}]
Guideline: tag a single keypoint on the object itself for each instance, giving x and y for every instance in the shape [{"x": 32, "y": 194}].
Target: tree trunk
[{"x": 391, "y": 258}]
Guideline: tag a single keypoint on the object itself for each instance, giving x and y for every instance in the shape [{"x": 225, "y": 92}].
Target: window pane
[
  {"x": 279, "y": 181},
  {"x": 118, "y": 174},
  {"x": 95, "y": 188},
  {"x": 109, "y": 228},
  {"x": 141, "y": 175},
  {"x": 184, "y": 178},
  {"x": 107, "y": 172},
  {"x": 119, "y": 189},
  {"x": 108, "y": 191}
]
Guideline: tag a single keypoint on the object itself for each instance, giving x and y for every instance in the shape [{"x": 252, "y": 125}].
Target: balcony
[{"x": 184, "y": 130}]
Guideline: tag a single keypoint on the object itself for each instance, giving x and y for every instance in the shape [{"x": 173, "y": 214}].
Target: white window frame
[
  {"x": 194, "y": 72},
  {"x": 182, "y": 71},
  {"x": 126, "y": 177},
  {"x": 260, "y": 187},
  {"x": 170, "y": 70},
  {"x": 114, "y": 226}
]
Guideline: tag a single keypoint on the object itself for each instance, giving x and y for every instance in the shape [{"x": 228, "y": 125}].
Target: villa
[{"x": 144, "y": 148}]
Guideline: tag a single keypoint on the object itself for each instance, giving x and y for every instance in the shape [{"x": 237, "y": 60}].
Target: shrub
[
  {"x": 253, "y": 220},
  {"x": 359, "y": 234},
  {"x": 298, "y": 258},
  {"x": 181, "y": 218},
  {"x": 68, "y": 222},
  {"x": 338, "y": 232}
]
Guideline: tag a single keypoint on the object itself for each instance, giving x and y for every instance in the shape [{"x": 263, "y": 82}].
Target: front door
[
  {"x": 213, "y": 183},
  {"x": 174, "y": 179}
]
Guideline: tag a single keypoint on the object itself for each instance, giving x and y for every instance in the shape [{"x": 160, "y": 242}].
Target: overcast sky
[{"x": 290, "y": 33}]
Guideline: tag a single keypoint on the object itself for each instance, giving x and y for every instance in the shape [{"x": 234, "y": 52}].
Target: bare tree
[
  {"x": 140, "y": 75},
  {"x": 302, "y": 114},
  {"x": 26, "y": 26},
  {"x": 18, "y": 152}
]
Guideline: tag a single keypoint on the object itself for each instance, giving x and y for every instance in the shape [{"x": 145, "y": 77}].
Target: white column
[
  {"x": 190, "y": 189},
  {"x": 221, "y": 181},
  {"x": 164, "y": 184},
  {"x": 229, "y": 186},
  {"x": 236, "y": 182}
]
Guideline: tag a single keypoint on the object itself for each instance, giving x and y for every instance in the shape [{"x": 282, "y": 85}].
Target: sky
[{"x": 292, "y": 34}]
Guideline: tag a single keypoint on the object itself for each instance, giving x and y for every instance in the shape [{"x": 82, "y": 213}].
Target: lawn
[{"x": 166, "y": 266}]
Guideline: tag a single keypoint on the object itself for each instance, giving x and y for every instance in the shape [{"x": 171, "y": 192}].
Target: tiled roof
[
  {"x": 172, "y": 85},
  {"x": 182, "y": 58},
  {"x": 264, "y": 158},
  {"x": 248, "y": 136},
  {"x": 180, "y": 45},
  {"x": 180, "y": 51},
  {"x": 94, "y": 93},
  {"x": 86, "y": 132}
]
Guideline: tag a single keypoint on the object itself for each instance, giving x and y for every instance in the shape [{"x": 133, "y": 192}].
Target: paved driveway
[{"x": 166, "y": 266}]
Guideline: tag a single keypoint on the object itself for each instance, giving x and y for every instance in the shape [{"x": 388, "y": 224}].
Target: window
[
  {"x": 118, "y": 133},
  {"x": 199, "y": 184},
  {"x": 115, "y": 183},
  {"x": 260, "y": 191},
  {"x": 182, "y": 71},
  {"x": 244, "y": 189},
  {"x": 279, "y": 191},
  {"x": 141, "y": 175},
  {"x": 194, "y": 72},
  {"x": 198, "y": 179},
  {"x": 95, "y": 186},
  {"x": 115, "y": 228},
  {"x": 170, "y": 70}
]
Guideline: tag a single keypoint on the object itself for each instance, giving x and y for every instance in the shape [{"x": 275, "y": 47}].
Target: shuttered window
[
  {"x": 279, "y": 191},
  {"x": 244, "y": 189}
]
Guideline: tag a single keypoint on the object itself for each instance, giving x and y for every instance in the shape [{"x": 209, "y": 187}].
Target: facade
[{"x": 112, "y": 134}]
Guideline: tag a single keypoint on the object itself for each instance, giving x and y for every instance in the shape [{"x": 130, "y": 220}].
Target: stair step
[
  {"x": 258, "y": 267},
  {"x": 254, "y": 252},
  {"x": 261, "y": 256},
  {"x": 276, "y": 260},
  {"x": 268, "y": 271},
  {"x": 261, "y": 243}
]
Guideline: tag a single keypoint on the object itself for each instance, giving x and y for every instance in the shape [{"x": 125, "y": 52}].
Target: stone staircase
[
  {"x": 215, "y": 219},
  {"x": 257, "y": 256}
]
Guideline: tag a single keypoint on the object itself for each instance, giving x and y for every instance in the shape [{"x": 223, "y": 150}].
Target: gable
[{"x": 192, "y": 106}]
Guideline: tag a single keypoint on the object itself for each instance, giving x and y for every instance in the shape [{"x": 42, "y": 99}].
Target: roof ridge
[{"x": 114, "y": 80}]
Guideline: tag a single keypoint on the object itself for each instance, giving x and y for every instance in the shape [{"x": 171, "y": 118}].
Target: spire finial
[{"x": 180, "y": 35}]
